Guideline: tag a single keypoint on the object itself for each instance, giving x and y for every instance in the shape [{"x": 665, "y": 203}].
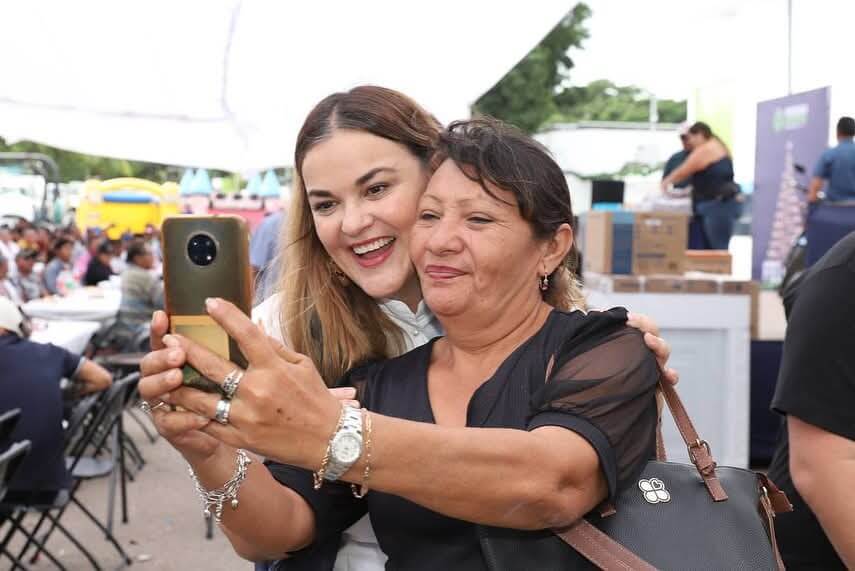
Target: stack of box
[{"x": 637, "y": 243}]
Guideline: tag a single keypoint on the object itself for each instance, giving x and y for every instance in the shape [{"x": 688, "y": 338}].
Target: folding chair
[
  {"x": 9, "y": 461},
  {"x": 93, "y": 427}
]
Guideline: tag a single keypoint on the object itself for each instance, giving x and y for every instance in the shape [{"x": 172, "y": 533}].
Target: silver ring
[
  {"x": 231, "y": 382},
  {"x": 224, "y": 406},
  {"x": 147, "y": 408}
]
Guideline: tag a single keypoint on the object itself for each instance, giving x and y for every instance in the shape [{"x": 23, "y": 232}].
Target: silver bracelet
[{"x": 227, "y": 492}]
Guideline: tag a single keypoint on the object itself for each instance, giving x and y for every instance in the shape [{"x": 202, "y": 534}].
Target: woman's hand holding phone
[{"x": 183, "y": 429}]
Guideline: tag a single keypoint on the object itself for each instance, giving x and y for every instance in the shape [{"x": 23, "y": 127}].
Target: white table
[
  {"x": 70, "y": 335},
  {"x": 85, "y": 304},
  {"x": 710, "y": 339}
]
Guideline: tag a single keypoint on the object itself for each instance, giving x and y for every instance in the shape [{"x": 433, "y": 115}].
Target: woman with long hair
[
  {"x": 350, "y": 293},
  {"x": 715, "y": 196}
]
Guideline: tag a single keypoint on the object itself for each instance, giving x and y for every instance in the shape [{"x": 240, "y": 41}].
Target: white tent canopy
[{"x": 227, "y": 83}]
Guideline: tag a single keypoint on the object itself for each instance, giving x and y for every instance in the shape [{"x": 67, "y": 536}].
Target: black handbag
[{"x": 685, "y": 516}]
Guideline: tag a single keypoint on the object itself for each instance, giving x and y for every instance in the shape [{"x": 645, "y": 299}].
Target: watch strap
[{"x": 351, "y": 424}]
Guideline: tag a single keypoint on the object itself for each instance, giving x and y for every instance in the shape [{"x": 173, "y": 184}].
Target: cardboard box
[
  {"x": 737, "y": 287},
  {"x": 665, "y": 284},
  {"x": 709, "y": 261},
  {"x": 640, "y": 243},
  {"x": 659, "y": 243},
  {"x": 626, "y": 284},
  {"x": 700, "y": 285}
]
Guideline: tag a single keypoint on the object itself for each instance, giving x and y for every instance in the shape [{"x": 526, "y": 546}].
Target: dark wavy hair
[{"x": 491, "y": 152}]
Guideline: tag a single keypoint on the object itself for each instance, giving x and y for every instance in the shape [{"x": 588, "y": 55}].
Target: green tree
[
  {"x": 77, "y": 166},
  {"x": 602, "y": 100},
  {"x": 525, "y": 96}
]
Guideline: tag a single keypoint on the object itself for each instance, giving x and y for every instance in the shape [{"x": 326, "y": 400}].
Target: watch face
[{"x": 347, "y": 448}]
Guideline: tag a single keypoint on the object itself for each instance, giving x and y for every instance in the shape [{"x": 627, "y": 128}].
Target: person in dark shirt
[
  {"x": 30, "y": 375},
  {"x": 98, "y": 269},
  {"x": 525, "y": 416},
  {"x": 715, "y": 196},
  {"x": 815, "y": 459},
  {"x": 837, "y": 166},
  {"x": 678, "y": 159}
]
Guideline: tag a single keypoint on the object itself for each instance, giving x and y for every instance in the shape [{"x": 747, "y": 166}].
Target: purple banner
[{"x": 791, "y": 131}]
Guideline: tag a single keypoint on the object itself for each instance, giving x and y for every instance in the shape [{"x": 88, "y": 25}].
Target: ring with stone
[
  {"x": 231, "y": 382},
  {"x": 221, "y": 415}
]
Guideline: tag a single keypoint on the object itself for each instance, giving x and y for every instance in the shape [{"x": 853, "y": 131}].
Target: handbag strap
[
  {"x": 699, "y": 450},
  {"x": 600, "y": 549}
]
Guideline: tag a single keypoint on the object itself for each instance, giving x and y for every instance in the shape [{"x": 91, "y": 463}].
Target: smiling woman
[{"x": 351, "y": 295}]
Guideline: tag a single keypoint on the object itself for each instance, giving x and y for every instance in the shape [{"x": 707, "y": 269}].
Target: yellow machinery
[{"x": 123, "y": 205}]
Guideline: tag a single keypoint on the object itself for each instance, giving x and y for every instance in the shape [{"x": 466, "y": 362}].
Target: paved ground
[{"x": 166, "y": 531}]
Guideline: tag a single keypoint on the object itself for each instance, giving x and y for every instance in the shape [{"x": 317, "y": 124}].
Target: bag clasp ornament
[{"x": 654, "y": 491}]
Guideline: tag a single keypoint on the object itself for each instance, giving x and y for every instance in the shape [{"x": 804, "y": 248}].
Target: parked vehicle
[{"x": 125, "y": 205}]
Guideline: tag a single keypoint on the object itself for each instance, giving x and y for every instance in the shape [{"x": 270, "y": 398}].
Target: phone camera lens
[{"x": 202, "y": 250}]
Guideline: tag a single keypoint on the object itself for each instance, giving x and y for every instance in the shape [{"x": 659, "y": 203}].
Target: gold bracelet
[
  {"x": 363, "y": 489},
  {"x": 318, "y": 476}
]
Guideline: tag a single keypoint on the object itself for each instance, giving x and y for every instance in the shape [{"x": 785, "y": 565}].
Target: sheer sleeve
[
  {"x": 602, "y": 385},
  {"x": 334, "y": 506}
]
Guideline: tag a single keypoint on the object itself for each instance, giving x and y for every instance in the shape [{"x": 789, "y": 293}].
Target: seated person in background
[
  {"x": 30, "y": 380},
  {"x": 142, "y": 291},
  {"x": 119, "y": 262},
  {"x": 98, "y": 269},
  {"x": 7, "y": 288},
  {"x": 816, "y": 390},
  {"x": 837, "y": 166},
  {"x": 25, "y": 279},
  {"x": 8, "y": 247},
  {"x": 61, "y": 262}
]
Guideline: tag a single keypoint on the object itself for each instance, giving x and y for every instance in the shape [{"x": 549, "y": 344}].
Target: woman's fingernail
[
  {"x": 203, "y": 420},
  {"x": 211, "y": 303},
  {"x": 175, "y": 375},
  {"x": 175, "y": 355},
  {"x": 170, "y": 341},
  {"x": 165, "y": 397}
]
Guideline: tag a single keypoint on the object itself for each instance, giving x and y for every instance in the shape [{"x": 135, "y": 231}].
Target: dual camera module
[{"x": 202, "y": 249}]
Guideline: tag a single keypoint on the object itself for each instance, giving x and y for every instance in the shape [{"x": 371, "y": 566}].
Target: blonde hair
[{"x": 324, "y": 316}]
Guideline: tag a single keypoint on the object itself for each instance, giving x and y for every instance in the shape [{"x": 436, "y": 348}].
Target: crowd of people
[{"x": 40, "y": 261}]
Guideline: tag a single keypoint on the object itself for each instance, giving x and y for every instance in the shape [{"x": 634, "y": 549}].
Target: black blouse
[{"x": 601, "y": 384}]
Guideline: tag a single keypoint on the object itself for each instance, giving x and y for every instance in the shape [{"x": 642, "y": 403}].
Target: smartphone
[{"x": 205, "y": 256}]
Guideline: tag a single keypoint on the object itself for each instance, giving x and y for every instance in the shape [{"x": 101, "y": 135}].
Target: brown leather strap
[
  {"x": 699, "y": 450},
  {"x": 769, "y": 514},
  {"x": 661, "y": 454},
  {"x": 600, "y": 549},
  {"x": 777, "y": 497}
]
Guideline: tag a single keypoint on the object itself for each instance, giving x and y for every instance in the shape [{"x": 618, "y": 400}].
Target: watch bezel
[{"x": 336, "y": 448}]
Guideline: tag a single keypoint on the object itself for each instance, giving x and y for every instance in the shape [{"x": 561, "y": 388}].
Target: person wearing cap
[
  {"x": 25, "y": 278},
  {"x": 7, "y": 288},
  {"x": 30, "y": 381}
]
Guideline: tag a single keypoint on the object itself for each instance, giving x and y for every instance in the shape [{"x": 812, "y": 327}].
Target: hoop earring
[
  {"x": 544, "y": 282},
  {"x": 336, "y": 273}
]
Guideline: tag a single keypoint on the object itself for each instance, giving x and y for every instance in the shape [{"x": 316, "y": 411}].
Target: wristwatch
[{"x": 346, "y": 445}]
